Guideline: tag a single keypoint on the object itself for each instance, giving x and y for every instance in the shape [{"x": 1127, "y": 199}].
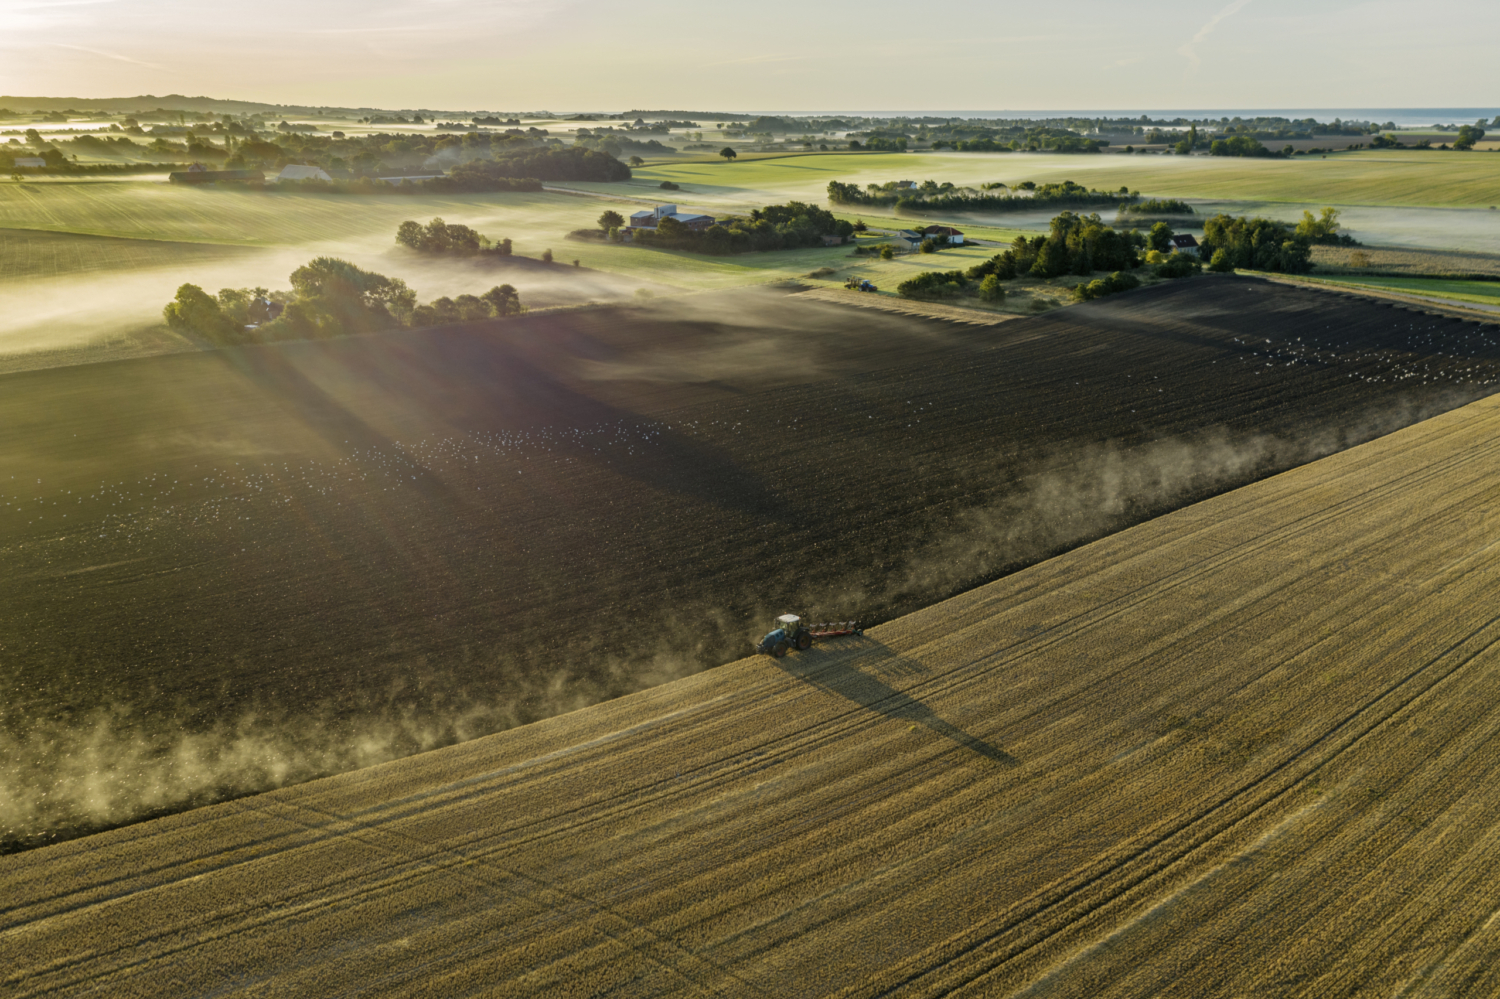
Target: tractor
[{"x": 790, "y": 633}]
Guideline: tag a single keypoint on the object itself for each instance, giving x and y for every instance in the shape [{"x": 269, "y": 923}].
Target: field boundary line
[
  {"x": 1456, "y": 308},
  {"x": 865, "y": 300}
]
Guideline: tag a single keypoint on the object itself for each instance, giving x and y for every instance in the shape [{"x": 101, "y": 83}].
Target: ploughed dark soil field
[{"x": 229, "y": 570}]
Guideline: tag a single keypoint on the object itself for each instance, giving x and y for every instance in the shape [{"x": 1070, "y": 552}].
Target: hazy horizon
[{"x": 568, "y": 54}]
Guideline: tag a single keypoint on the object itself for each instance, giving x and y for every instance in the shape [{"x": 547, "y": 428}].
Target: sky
[{"x": 769, "y": 55}]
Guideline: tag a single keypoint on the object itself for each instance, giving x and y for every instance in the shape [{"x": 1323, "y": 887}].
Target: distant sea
[{"x": 1403, "y": 117}]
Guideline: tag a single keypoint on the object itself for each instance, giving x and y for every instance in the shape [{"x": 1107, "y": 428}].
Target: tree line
[
  {"x": 1074, "y": 245},
  {"x": 773, "y": 227},
  {"x": 931, "y": 196},
  {"x": 439, "y": 237},
  {"x": 329, "y": 297}
]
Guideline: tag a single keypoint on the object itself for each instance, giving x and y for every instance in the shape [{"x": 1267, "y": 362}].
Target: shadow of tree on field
[{"x": 853, "y": 667}]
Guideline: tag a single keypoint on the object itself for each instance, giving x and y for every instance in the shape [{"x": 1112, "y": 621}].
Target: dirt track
[
  {"x": 1247, "y": 748},
  {"x": 231, "y": 570}
]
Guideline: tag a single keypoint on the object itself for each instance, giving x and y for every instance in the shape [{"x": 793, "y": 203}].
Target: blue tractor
[
  {"x": 790, "y": 633},
  {"x": 787, "y": 635}
]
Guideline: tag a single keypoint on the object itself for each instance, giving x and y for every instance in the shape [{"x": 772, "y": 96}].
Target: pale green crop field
[
  {"x": 1370, "y": 177},
  {"x": 1480, "y": 292}
]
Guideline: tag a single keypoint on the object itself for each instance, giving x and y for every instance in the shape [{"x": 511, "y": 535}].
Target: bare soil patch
[
  {"x": 235, "y": 569},
  {"x": 1248, "y": 748}
]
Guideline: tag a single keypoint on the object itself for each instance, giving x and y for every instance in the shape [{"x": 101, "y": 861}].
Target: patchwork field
[
  {"x": 1452, "y": 180},
  {"x": 1248, "y": 748},
  {"x": 233, "y": 569},
  {"x": 71, "y": 299}
]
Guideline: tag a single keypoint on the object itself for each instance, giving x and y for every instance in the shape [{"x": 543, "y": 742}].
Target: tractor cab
[{"x": 787, "y": 635}]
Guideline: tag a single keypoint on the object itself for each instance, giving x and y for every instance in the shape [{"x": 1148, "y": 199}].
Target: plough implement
[{"x": 790, "y": 633}]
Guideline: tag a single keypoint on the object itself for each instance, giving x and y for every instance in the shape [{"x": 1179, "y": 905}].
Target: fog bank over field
[{"x": 104, "y": 314}]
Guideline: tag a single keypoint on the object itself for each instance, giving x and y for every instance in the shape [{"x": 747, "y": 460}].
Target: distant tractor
[
  {"x": 859, "y": 284},
  {"x": 790, "y": 633}
]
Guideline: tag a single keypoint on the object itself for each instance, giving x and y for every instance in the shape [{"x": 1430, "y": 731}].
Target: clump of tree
[
  {"x": 438, "y": 236},
  {"x": 1467, "y": 136},
  {"x": 1178, "y": 265},
  {"x": 1255, "y": 244},
  {"x": 932, "y": 285},
  {"x": 1074, "y": 244},
  {"x": 499, "y": 301},
  {"x": 481, "y": 177},
  {"x": 1160, "y": 206},
  {"x": 930, "y": 196},
  {"x": 1100, "y": 287},
  {"x": 1324, "y": 229},
  {"x": 573, "y": 163},
  {"x": 774, "y": 227},
  {"x": 1035, "y": 139},
  {"x": 1243, "y": 145},
  {"x": 329, "y": 297}
]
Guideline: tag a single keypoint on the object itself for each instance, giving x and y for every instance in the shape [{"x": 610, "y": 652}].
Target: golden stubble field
[{"x": 1247, "y": 748}]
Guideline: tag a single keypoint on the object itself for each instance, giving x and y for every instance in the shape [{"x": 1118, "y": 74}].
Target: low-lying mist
[{"x": 115, "y": 313}]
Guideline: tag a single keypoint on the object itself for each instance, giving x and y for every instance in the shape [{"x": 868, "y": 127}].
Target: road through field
[{"x": 1247, "y": 748}]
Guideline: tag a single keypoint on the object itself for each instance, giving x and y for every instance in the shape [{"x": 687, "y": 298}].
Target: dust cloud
[
  {"x": 1075, "y": 497},
  {"x": 111, "y": 766}
]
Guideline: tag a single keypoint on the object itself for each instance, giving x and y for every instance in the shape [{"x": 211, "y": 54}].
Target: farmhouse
[
  {"x": 910, "y": 238},
  {"x": 1185, "y": 244},
  {"x": 944, "y": 234},
  {"x": 294, "y": 172},
  {"x": 651, "y": 219}
]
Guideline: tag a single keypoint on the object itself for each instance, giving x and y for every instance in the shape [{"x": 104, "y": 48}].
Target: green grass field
[
  {"x": 1371, "y": 177},
  {"x": 89, "y": 258},
  {"x": 1479, "y": 292},
  {"x": 32, "y": 253}
]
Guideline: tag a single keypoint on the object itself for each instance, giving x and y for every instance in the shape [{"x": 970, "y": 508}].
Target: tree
[
  {"x": 1467, "y": 136},
  {"x": 344, "y": 298},
  {"x": 928, "y": 246},
  {"x": 887, "y": 252},
  {"x": 1324, "y": 229},
  {"x": 547, "y": 256},
  {"x": 728, "y": 153},
  {"x": 990, "y": 290},
  {"x": 859, "y": 225},
  {"x": 611, "y": 219},
  {"x": 504, "y": 300},
  {"x": 1221, "y": 264},
  {"x": 636, "y": 161},
  {"x": 1160, "y": 238},
  {"x": 195, "y": 311}
]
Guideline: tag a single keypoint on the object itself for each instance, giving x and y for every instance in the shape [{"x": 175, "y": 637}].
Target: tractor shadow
[{"x": 853, "y": 667}]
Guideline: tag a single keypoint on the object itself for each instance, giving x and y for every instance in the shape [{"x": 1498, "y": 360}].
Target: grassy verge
[
  {"x": 1340, "y": 261},
  {"x": 1477, "y": 292}
]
